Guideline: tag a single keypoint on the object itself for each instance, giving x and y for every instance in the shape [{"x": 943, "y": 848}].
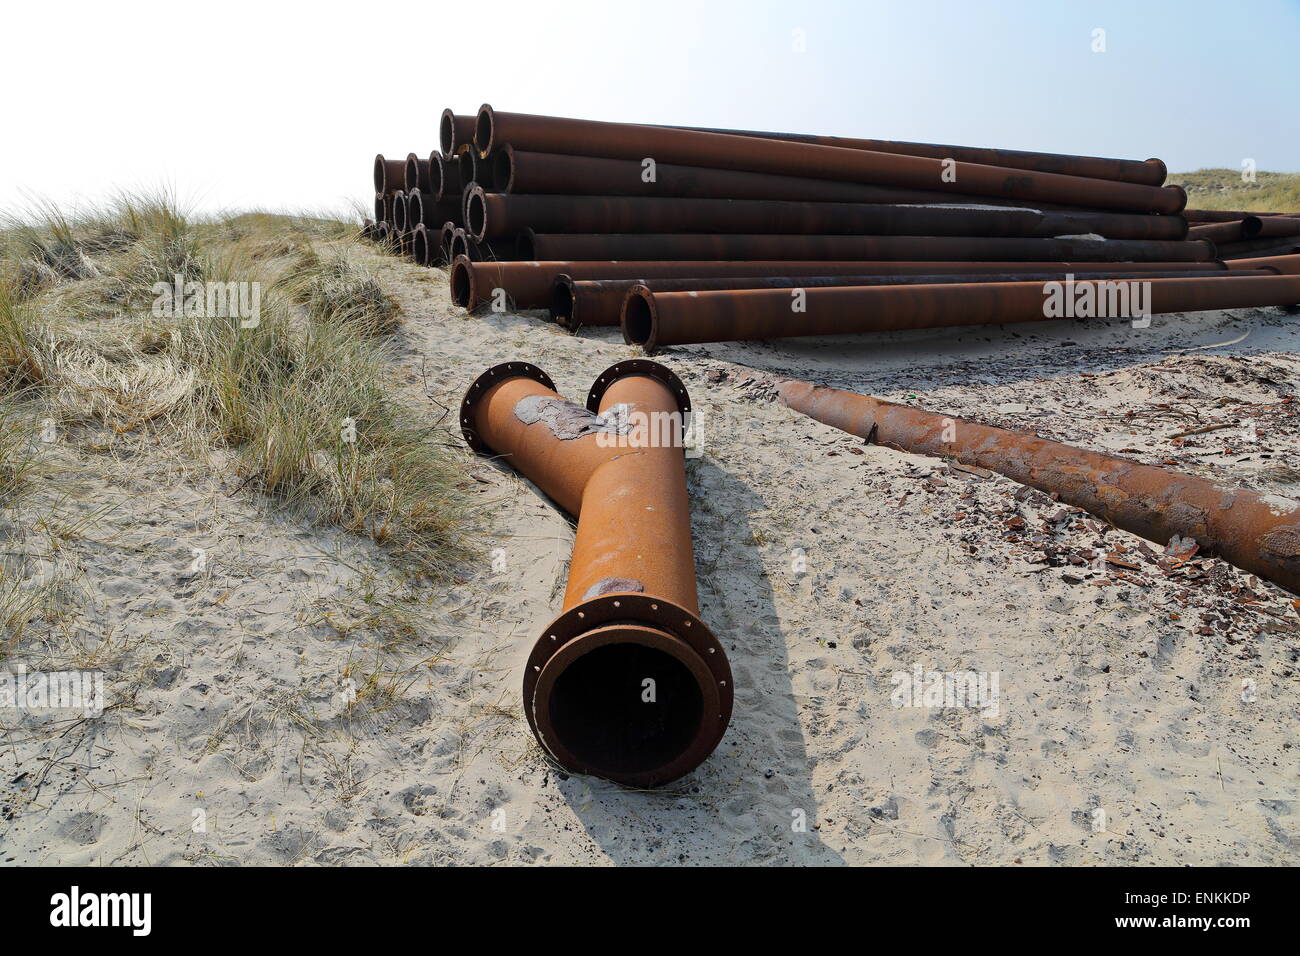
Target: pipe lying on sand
[
  {"x": 657, "y": 319},
  {"x": 627, "y": 683},
  {"x": 528, "y": 284},
  {"x": 599, "y": 302},
  {"x": 1257, "y": 533},
  {"x": 390, "y": 174}
]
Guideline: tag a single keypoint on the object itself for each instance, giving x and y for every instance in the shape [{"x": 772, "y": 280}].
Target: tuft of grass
[
  {"x": 1223, "y": 189},
  {"x": 335, "y": 288}
]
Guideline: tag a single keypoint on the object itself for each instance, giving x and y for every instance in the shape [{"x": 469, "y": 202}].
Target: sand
[{"x": 827, "y": 568}]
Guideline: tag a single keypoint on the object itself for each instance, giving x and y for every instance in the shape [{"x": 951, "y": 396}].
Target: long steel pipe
[
  {"x": 520, "y": 171},
  {"x": 1219, "y": 233},
  {"x": 656, "y": 319},
  {"x": 548, "y": 134},
  {"x": 599, "y": 302},
  {"x": 861, "y": 248},
  {"x": 496, "y": 214},
  {"x": 422, "y": 207},
  {"x": 383, "y": 207},
  {"x": 1150, "y": 172},
  {"x": 1286, "y": 265},
  {"x": 528, "y": 284},
  {"x": 1256, "y": 532},
  {"x": 390, "y": 174},
  {"x": 627, "y": 683},
  {"x": 421, "y": 247}
]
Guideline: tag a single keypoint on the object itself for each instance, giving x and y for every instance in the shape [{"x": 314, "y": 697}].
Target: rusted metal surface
[
  {"x": 1218, "y": 215},
  {"x": 422, "y": 207},
  {"x": 630, "y": 610},
  {"x": 455, "y": 133},
  {"x": 657, "y": 319},
  {"x": 528, "y": 284},
  {"x": 1257, "y": 533},
  {"x": 445, "y": 232},
  {"x": 861, "y": 248},
  {"x": 551, "y": 173},
  {"x": 416, "y": 174},
  {"x": 390, "y": 174},
  {"x": 599, "y": 302},
  {"x": 1275, "y": 246},
  {"x": 1277, "y": 226},
  {"x": 490, "y": 214},
  {"x": 462, "y": 246},
  {"x": 465, "y": 166},
  {"x": 548, "y": 134},
  {"x": 444, "y": 178},
  {"x": 1219, "y": 233},
  {"x": 1286, "y": 265},
  {"x": 1149, "y": 172}
]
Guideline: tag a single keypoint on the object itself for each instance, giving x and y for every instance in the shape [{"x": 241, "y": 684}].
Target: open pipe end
[
  {"x": 630, "y": 688},
  {"x": 645, "y": 368},
  {"x": 381, "y": 208},
  {"x": 435, "y": 175},
  {"x": 381, "y": 168},
  {"x": 482, "y": 385},
  {"x": 562, "y": 303},
  {"x": 444, "y": 242},
  {"x": 1251, "y": 227},
  {"x": 462, "y": 245},
  {"x": 420, "y": 244},
  {"x": 483, "y": 130},
  {"x": 465, "y": 166},
  {"x": 503, "y": 168},
  {"x": 411, "y": 176},
  {"x": 639, "y": 319},
  {"x": 463, "y": 290},
  {"x": 399, "y": 211},
  {"x": 447, "y": 132},
  {"x": 476, "y": 214}
]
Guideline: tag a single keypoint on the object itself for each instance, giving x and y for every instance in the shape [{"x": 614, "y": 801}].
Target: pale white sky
[{"x": 283, "y": 105}]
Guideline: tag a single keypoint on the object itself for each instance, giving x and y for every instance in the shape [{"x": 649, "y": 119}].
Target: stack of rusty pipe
[
  {"x": 627, "y": 683},
  {"x": 544, "y": 212}
]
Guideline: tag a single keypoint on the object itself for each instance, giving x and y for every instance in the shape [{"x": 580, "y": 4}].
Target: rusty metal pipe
[
  {"x": 1150, "y": 172},
  {"x": 490, "y": 214},
  {"x": 548, "y": 134},
  {"x": 1224, "y": 232},
  {"x": 422, "y": 207},
  {"x": 455, "y": 133},
  {"x": 630, "y": 612},
  {"x": 520, "y": 171},
  {"x": 1256, "y": 247},
  {"x": 1257, "y": 533},
  {"x": 383, "y": 207},
  {"x": 1286, "y": 265},
  {"x": 528, "y": 284},
  {"x": 444, "y": 235},
  {"x": 420, "y": 245},
  {"x": 416, "y": 173},
  {"x": 656, "y": 319},
  {"x": 385, "y": 236},
  {"x": 599, "y": 302},
  {"x": 390, "y": 174},
  {"x": 1278, "y": 226},
  {"x": 861, "y": 248},
  {"x": 444, "y": 177},
  {"x": 399, "y": 211}
]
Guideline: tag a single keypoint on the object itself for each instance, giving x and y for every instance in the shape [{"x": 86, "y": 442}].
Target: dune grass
[
  {"x": 298, "y": 391},
  {"x": 1224, "y": 189}
]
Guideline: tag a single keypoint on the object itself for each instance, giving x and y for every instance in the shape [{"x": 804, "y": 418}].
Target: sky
[{"x": 283, "y": 105}]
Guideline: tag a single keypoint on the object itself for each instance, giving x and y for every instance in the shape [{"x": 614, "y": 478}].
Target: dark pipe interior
[
  {"x": 600, "y": 715},
  {"x": 562, "y": 303},
  {"x": 638, "y": 320},
  {"x": 475, "y": 215},
  {"x": 420, "y": 246},
  {"x": 483, "y": 131},
  {"x": 435, "y": 176},
  {"x": 379, "y": 173},
  {"x": 399, "y": 212},
  {"x": 380, "y": 208},
  {"x": 500, "y": 169},
  {"x": 412, "y": 174},
  {"x": 445, "y": 132},
  {"x": 460, "y": 284}
]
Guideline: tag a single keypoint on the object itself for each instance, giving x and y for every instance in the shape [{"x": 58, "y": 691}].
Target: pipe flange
[
  {"x": 639, "y": 367},
  {"x": 633, "y": 609},
  {"x": 479, "y": 388}
]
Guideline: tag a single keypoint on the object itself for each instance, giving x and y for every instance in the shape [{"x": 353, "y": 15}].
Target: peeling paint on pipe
[{"x": 630, "y": 611}]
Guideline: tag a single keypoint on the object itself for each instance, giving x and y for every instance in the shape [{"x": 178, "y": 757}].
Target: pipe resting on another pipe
[
  {"x": 627, "y": 683},
  {"x": 1257, "y": 533}
]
